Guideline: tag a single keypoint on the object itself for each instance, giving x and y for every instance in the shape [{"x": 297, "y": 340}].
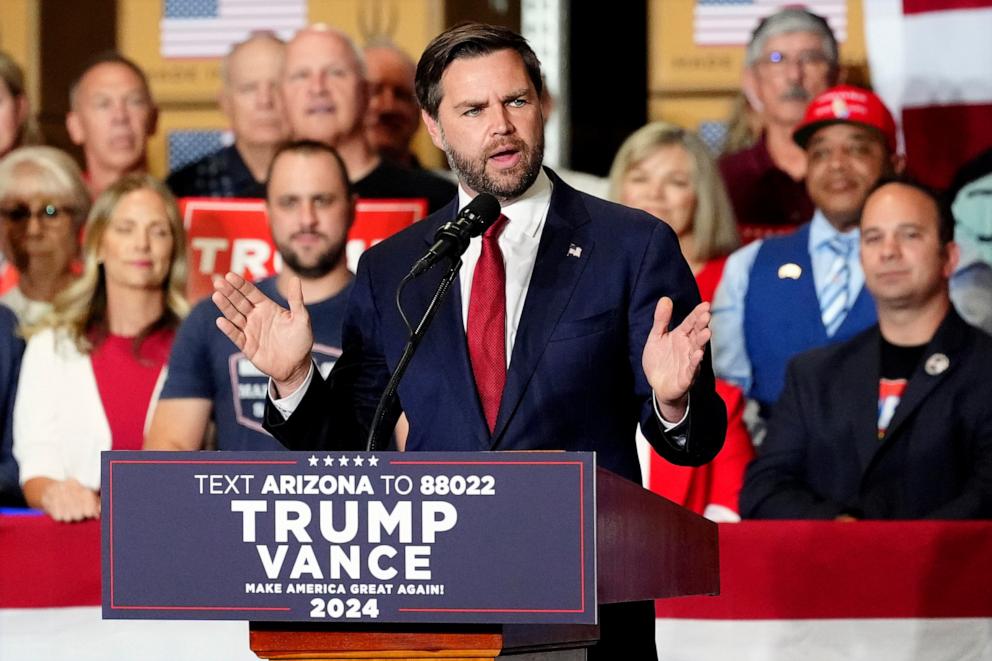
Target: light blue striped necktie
[{"x": 835, "y": 298}]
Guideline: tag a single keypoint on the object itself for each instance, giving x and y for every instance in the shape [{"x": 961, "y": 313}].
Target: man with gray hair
[
  {"x": 791, "y": 58},
  {"x": 111, "y": 117},
  {"x": 325, "y": 92},
  {"x": 250, "y": 99},
  {"x": 393, "y": 115}
]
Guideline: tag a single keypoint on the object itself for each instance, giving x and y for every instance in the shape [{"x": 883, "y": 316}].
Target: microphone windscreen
[{"x": 482, "y": 211}]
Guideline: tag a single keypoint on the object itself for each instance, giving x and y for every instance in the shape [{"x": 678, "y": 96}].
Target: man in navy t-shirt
[{"x": 310, "y": 207}]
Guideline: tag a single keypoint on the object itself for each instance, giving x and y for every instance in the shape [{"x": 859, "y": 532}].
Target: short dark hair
[
  {"x": 468, "y": 40},
  {"x": 107, "y": 57},
  {"x": 308, "y": 147},
  {"x": 945, "y": 217}
]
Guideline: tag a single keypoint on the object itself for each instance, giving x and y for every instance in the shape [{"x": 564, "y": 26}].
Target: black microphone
[{"x": 451, "y": 239}]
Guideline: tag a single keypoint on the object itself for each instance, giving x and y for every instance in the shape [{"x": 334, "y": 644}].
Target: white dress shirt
[{"x": 518, "y": 242}]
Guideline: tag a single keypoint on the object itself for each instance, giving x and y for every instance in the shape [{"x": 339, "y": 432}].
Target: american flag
[
  {"x": 731, "y": 22},
  {"x": 713, "y": 134},
  {"x": 188, "y": 146},
  {"x": 929, "y": 62},
  {"x": 208, "y": 28}
]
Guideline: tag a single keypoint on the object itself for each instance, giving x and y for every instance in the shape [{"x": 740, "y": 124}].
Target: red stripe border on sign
[
  {"x": 113, "y": 592},
  {"x": 582, "y": 535},
  {"x": 582, "y": 569}
]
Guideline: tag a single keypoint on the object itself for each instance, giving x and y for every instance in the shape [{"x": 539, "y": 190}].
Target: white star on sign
[
  {"x": 359, "y": 460},
  {"x": 312, "y": 460},
  {"x": 343, "y": 460},
  {"x": 373, "y": 461},
  {"x": 328, "y": 460}
]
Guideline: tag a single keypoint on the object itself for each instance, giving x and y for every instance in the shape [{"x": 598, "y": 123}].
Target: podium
[
  {"x": 648, "y": 548},
  {"x": 471, "y": 555}
]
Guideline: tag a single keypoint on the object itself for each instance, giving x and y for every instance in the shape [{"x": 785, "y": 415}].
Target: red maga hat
[{"x": 846, "y": 104}]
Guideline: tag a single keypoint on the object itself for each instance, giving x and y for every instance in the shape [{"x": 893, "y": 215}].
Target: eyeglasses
[
  {"x": 810, "y": 60},
  {"x": 48, "y": 213}
]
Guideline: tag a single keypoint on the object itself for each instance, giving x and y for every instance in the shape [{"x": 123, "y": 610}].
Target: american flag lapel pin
[{"x": 574, "y": 250}]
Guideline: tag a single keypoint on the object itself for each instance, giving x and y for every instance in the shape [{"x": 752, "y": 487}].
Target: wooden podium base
[{"x": 302, "y": 642}]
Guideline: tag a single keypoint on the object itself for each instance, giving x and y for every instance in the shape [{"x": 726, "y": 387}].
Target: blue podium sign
[{"x": 500, "y": 537}]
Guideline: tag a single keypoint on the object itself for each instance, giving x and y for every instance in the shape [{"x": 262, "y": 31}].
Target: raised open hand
[
  {"x": 671, "y": 357},
  {"x": 277, "y": 341}
]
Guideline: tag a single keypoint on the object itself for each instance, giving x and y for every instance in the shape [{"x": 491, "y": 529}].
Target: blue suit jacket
[{"x": 575, "y": 380}]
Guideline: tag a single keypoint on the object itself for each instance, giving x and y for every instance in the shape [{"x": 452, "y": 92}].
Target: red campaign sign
[{"x": 228, "y": 234}]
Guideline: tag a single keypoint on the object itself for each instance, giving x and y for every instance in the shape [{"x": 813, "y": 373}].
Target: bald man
[
  {"x": 251, "y": 101},
  {"x": 326, "y": 93}
]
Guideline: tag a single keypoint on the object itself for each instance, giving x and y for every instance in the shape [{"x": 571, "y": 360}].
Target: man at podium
[{"x": 572, "y": 320}]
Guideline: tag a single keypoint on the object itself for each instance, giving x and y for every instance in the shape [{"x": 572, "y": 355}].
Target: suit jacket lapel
[
  {"x": 863, "y": 367},
  {"x": 552, "y": 282},
  {"x": 939, "y": 360}
]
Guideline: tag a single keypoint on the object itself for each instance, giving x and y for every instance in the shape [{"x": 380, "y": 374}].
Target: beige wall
[
  {"x": 186, "y": 90},
  {"x": 689, "y": 84},
  {"x": 19, "y": 39}
]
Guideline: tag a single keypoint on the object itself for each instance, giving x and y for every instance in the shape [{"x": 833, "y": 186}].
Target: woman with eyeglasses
[
  {"x": 43, "y": 203},
  {"x": 668, "y": 172},
  {"x": 91, "y": 373}
]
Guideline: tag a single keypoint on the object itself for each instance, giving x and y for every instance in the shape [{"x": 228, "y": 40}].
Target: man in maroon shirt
[{"x": 791, "y": 58}]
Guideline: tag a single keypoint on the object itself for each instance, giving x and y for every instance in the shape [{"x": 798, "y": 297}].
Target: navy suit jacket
[
  {"x": 822, "y": 456},
  {"x": 575, "y": 380}
]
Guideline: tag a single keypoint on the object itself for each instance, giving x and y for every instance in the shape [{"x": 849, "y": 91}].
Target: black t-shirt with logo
[{"x": 898, "y": 364}]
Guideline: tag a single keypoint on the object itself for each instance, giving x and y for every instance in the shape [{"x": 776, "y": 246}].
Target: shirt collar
[
  {"x": 526, "y": 213},
  {"x": 822, "y": 232}
]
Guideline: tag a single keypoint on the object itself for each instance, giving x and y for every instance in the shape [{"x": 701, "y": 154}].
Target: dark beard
[
  {"x": 326, "y": 263},
  {"x": 473, "y": 173}
]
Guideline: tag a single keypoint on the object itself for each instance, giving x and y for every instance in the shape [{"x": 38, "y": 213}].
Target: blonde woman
[
  {"x": 667, "y": 171},
  {"x": 91, "y": 372},
  {"x": 43, "y": 204}
]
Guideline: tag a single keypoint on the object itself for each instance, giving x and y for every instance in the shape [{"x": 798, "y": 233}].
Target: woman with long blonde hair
[
  {"x": 668, "y": 171},
  {"x": 92, "y": 370}
]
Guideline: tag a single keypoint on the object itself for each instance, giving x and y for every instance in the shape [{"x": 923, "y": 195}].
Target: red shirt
[
  {"x": 718, "y": 482},
  {"x": 126, "y": 383},
  {"x": 709, "y": 277}
]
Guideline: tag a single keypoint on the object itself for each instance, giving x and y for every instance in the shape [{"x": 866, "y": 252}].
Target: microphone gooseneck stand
[{"x": 388, "y": 399}]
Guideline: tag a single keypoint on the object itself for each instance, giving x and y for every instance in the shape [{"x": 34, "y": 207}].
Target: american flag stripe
[
  {"x": 188, "y": 146},
  {"x": 722, "y": 23},
  {"x": 208, "y": 28},
  {"x": 929, "y": 62}
]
